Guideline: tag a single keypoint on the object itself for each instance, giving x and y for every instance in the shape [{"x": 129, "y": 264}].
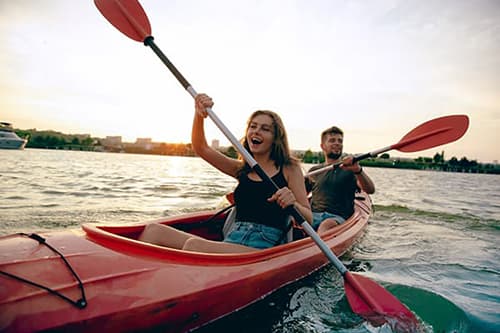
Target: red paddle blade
[
  {"x": 127, "y": 16},
  {"x": 434, "y": 133},
  {"x": 378, "y": 306}
]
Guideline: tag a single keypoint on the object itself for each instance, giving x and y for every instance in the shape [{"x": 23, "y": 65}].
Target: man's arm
[{"x": 364, "y": 182}]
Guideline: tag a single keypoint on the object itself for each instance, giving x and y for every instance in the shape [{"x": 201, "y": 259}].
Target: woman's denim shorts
[
  {"x": 319, "y": 217},
  {"x": 254, "y": 235}
]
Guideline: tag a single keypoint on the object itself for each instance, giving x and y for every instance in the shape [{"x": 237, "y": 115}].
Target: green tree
[
  {"x": 419, "y": 159},
  {"x": 231, "y": 152},
  {"x": 308, "y": 157},
  {"x": 464, "y": 162},
  {"x": 87, "y": 141},
  {"x": 438, "y": 158}
]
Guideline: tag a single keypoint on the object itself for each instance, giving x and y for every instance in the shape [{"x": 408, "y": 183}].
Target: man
[{"x": 333, "y": 190}]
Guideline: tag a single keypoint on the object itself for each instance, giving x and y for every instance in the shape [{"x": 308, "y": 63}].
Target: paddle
[
  {"x": 366, "y": 297},
  {"x": 430, "y": 134}
]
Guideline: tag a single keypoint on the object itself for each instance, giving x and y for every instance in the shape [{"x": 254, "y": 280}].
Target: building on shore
[
  {"x": 144, "y": 143},
  {"x": 112, "y": 143}
]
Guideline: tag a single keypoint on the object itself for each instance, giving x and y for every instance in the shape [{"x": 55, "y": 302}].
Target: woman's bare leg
[
  {"x": 204, "y": 245},
  {"x": 164, "y": 235},
  {"x": 327, "y": 224},
  {"x": 170, "y": 237}
]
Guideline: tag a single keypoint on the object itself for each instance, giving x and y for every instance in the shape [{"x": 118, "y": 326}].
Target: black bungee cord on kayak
[{"x": 80, "y": 303}]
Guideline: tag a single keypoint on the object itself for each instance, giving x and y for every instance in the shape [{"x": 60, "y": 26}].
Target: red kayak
[{"x": 103, "y": 279}]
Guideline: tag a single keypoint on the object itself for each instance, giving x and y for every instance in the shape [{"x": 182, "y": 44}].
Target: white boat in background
[{"x": 9, "y": 139}]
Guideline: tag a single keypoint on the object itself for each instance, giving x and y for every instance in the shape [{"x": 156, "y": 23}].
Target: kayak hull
[{"x": 130, "y": 285}]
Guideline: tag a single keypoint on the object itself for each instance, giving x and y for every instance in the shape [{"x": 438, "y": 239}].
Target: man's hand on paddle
[{"x": 347, "y": 164}]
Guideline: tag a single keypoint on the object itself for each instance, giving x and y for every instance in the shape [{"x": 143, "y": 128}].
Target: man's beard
[{"x": 334, "y": 156}]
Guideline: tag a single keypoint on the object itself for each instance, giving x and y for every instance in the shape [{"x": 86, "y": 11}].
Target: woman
[{"x": 261, "y": 219}]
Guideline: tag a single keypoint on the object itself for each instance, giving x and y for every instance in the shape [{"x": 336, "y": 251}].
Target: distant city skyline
[{"x": 377, "y": 69}]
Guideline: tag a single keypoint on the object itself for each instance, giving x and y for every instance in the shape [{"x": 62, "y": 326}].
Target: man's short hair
[{"x": 331, "y": 130}]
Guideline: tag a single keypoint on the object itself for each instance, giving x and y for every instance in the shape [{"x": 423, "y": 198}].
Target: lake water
[{"x": 433, "y": 240}]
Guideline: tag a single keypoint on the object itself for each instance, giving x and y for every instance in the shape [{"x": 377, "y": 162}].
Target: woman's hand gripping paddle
[
  {"x": 432, "y": 133},
  {"x": 366, "y": 297}
]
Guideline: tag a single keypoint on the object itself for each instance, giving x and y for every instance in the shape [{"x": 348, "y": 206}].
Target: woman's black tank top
[{"x": 251, "y": 197}]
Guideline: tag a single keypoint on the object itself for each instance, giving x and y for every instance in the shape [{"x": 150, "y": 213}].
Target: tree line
[
  {"x": 438, "y": 163},
  {"x": 57, "y": 140}
]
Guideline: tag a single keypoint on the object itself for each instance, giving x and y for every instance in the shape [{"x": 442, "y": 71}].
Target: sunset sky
[{"x": 377, "y": 69}]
